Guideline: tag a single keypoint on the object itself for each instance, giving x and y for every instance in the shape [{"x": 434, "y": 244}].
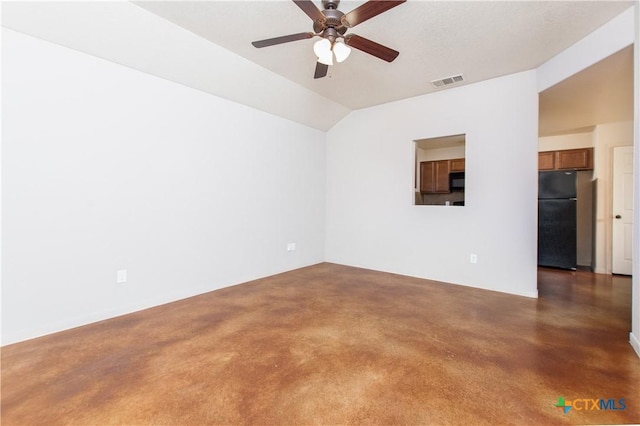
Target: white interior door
[{"x": 622, "y": 210}]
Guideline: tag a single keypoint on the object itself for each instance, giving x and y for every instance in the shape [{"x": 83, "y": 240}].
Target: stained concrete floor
[{"x": 330, "y": 344}]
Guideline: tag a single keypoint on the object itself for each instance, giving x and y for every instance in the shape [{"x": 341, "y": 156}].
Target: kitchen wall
[
  {"x": 568, "y": 141},
  {"x": 107, "y": 168},
  {"x": 372, "y": 221},
  {"x": 440, "y": 153},
  {"x": 585, "y": 219}
]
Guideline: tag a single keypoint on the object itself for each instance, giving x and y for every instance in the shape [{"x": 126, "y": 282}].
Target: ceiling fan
[{"x": 330, "y": 25}]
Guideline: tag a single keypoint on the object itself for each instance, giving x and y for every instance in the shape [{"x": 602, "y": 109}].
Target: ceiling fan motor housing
[{"x": 333, "y": 19}]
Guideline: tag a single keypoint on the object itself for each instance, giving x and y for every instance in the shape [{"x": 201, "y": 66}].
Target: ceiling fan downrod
[{"x": 330, "y": 4}]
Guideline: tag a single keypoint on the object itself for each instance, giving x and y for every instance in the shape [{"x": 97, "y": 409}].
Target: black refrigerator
[{"x": 557, "y": 219}]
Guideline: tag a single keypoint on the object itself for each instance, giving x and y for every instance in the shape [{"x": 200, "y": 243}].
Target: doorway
[
  {"x": 593, "y": 109},
  {"x": 622, "y": 212}
]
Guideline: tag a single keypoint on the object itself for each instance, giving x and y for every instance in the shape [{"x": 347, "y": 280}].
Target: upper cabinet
[
  {"x": 546, "y": 160},
  {"x": 434, "y": 176},
  {"x": 573, "y": 159},
  {"x": 579, "y": 159},
  {"x": 457, "y": 165}
]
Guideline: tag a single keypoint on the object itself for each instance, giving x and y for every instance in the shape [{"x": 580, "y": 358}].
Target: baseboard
[
  {"x": 533, "y": 295},
  {"x": 635, "y": 343},
  {"x": 21, "y": 335},
  {"x": 529, "y": 294}
]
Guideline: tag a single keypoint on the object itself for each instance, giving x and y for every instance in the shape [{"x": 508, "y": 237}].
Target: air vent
[{"x": 447, "y": 81}]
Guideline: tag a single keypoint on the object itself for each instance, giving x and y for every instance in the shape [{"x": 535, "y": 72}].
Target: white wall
[
  {"x": 107, "y": 168},
  {"x": 570, "y": 141},
  {"x": 440, "y": 153},
  {"x": 634, "y": 336},
  {"x": 371, "y": 219},
  {"x": 125, "y": 33}
]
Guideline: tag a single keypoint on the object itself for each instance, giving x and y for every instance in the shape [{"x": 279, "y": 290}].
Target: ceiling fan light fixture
[
  {"x": 341, "y": 51},
  {"x": 326, "y": 59},
  {"x": 322, "y": 49}
]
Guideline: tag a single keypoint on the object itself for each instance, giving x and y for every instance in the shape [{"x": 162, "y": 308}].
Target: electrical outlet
[
  {"x": 121, "y": 276},
  {"x": 473, "y": 258},
  {"x": 291, "y": 247}
]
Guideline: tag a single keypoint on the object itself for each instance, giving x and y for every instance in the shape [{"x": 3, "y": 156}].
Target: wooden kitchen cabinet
[
  {"x": 546, "y": 160},
  {"x": 575, "y": 159},
  {"x": 427, "y": 177},
  {"x": 434, "y": 176},
  {"x": 457, "y": 165},
  {"x": 567, "y": 159}
]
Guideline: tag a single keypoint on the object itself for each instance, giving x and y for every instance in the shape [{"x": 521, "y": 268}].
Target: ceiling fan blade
[
  {"x": 321, "y": 70},
  {"x": 368, "y": 10},
  {"x": 310, "y": 9},
  {"x": 371, "y": 47},
  {"x": 282, "y": 39}
]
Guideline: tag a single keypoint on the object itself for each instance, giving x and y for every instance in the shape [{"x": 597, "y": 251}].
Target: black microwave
[{"x": 456, "y": 181}]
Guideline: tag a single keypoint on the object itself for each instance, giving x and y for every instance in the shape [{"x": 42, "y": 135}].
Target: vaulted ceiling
[
  {"x": 436, "y": 39},
  {"x": 207, "y": 45}
]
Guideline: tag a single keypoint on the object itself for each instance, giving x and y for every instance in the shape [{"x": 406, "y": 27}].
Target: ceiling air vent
[{"x": 447, "y": 81}]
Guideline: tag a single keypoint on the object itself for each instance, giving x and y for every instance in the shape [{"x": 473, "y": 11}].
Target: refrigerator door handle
[{"x": 573, "y": 199}]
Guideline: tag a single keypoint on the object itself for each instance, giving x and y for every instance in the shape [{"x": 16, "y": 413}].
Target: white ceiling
[
  {"x": 602, "y": 93},
  {"x": 207, "y": 45},
  {"x": 436, "y": 39}
]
